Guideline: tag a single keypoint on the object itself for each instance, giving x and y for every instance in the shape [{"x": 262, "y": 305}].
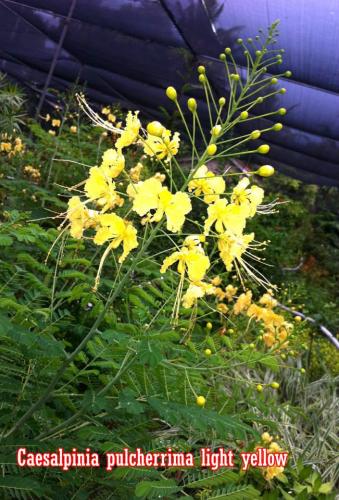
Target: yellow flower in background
[
  {"x": 232, "y": 247},
  {"x": 247, "y": 198},
  {"x": 164, "y": 147},
  {"x": 225, "y": 217},
  {"x": 196, "y": 291},
  {"x": 80, "y": 217},
  {"x": 56, "y": 122},
  {"x": 243, "y": 302},
  {"x": 151, "y": 195},
  {"x": 113, "y": 163},
  {"x": 6, "y": 147},
  {"x": 207, "y": 183},
  {"x": 230, "y": 292},
  {"x": 105, "y": 111},
  {"x": 192, "y": 261},
  {"x": 18, "y": 145},
  {"x": 52, "y": 132},
  {"x": 117, "y": 231},
  {"x": 131, "y": 131},
  {"x": 272, "y": 472},
  {"x": 268, "y": 301},
  {"x": 73, "y": 129},
  {"x": 135, "y": 172},
  {"x": 111, "y": 118},
  {"x": 101, "y": 189}
]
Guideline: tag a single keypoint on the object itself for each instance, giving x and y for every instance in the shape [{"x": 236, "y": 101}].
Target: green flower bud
[
  {"x": 263, "y": 149},
  {"x": 243, "y": 115},
  {"x": 277, "y": 127},
  {"x": 255, "y": 134},
  {"x": 282, "y": 91},
  {"x": 235, "y": 77},
  {"x": 211, "y": 149},
  {"x": 239, "y": 41},
  {"x": 288, "y": 74},
  {"x": 282, "y": 111},
  {"x": 275, "y": 385},
  {"x": 192, "y": 104},
  {"x": 171, "y": 93},
  {"x": 222, "y": 57},
  {"x": 258, "y": 53},
  {"x": 260, "y": 388},
  {"x": 222, "y": 101},
  {"x": 202, "y": 78},
  {"x": 250, "y": 40},
  {"x": 265, "y": 171},
  {"x": 274, "y": 81},
  {"x": 302, "y": 370},
  {"x": 201, "y": 69},
  {"x": 200, "y": 400},
  {"x": 216, "y": 130},
  {"x": 155, "y": 128},
  {"x": 228, "y": 51},
  {"x": 208, "y": 352},
  {"x": 260, "y": 100}
]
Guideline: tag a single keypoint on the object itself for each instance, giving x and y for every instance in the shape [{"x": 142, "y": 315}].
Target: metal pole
[{"x": 55, "y": 58}]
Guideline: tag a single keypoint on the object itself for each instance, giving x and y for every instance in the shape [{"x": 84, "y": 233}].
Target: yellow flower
[
  {"x": 113, "y": 163},
  {"x": 80, "y": 217},
  {"x": 191, "y": 260},
  {"x": 6, "y": 147},
  {"x": 232, "y": 247},
  {"x": 222, "y": 308},
  {"x": 225, "y": 217},
  {"x": 196, "y": 291},
  {"x": 247, "y": 198},
  {"x": 73, "y": 129},
  {"x": 52, "y": 132},
  {"x": 18, "y": 145},
  {"x": 105, "y": 111},
  {"x": 151, "y": 195},
  {"x": 216, "y": 281},
  {"x": 271, "y": 472},
  {"x": 243, "y": 302},
  {"x": 268, "y": 301},
  {"x": 266, "y": 437},
  {"x": 116, "y": 230},
  {"x": 163, "y": 147},
  {"x": 100, "y": 188},
  {"x": 135, "y": 172},
  {"x": 111, "y": 118},
  {"x": 131, "y": 131},
  {"x": 205, "y": 182},
  {"x": 56, "y": 122},
  {"x": 230, "y": 292}
]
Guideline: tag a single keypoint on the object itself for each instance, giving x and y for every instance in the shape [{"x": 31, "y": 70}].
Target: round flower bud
[
  {"x": 251, "y": 346},
  {"x": 202, "y": 78},
  {"x": 155, "y": 128},
  {"x": 243, "y": 115},
  {"x": 250, "y": 40},
  {"x": 230, "y": 330},
  {"x": 211, "y": 149},
  {"x": 263, "y": 149},
  {"x": 275, "y": 385},
  {"x": 228, "y": 50},
  {"x": 282, "y": 111},
  {"x": 255, "y": 134},
  {"x": 171, "y": 93},
  {"x": 260, "y": 100},
  {"x": 282, "y": 91},
  {"x": 201, "y": 401},
  {"x": 277, "y": 127},
  {"x": 192, "y": 104},
  {"x": 288, "y": 74},
  {"x": 298, "y": 319},
  {"x": 265, "y": 171},
  {"x": 222, "y": 57},
  {"x": 222, "y": 101},
  {"x": 201, "y": 69},
  {"x": 283, "y": 356},
  {"x": 209, "y": 326},
  {"x": 274, "y": 81},
  {"x": 239, "y": 41},
  {"x": 216, "y": 130},
  {"x": 207, "y": 352},
  {"x": 260, "y": 388},
  {"x": 302, "y": 370},
  {"x": 266, "y": 437},
  {"x": 235, "y": 77},
  {"x": 258, "y": 53}
]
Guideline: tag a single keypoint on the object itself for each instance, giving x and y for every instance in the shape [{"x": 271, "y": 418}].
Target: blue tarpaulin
[{"x": 130, "y": 50}]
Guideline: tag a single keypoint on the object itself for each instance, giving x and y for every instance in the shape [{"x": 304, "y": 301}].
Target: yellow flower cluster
[
  {"x": 270, "y": 473},
  {"x": 11, "y": 146},
  {"x": 32, "y": 172}
]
